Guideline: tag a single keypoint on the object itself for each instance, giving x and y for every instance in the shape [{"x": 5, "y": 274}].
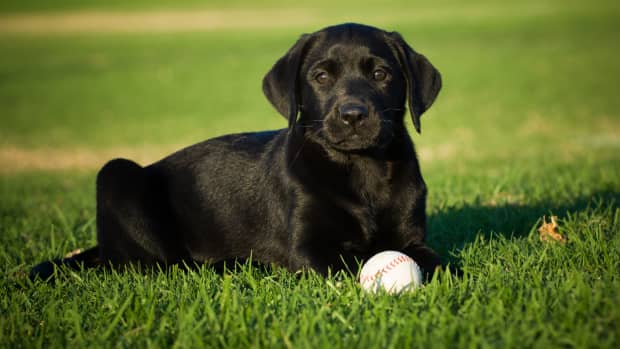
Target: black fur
[{"x": 340, "y": 184}]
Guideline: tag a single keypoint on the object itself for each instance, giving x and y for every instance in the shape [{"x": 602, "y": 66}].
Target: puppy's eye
[
  {"x": 379, "y": 75},
  {"x": 322, "y": 77}
]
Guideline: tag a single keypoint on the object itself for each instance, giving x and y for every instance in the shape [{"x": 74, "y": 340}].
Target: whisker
[{"x": 391, "y": 109}]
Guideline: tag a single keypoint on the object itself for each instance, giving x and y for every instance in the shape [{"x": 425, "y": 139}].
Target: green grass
[
  {"x": 517, "y": 291},
  {"x": 326, "y": 7},
  {"x": 527, "y": 125}
]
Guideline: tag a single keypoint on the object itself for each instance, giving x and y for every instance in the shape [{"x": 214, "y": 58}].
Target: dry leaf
[{"x": 549, "y": 231}]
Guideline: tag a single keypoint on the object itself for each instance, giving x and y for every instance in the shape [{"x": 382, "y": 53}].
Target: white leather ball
[{"x": 391, "y": 271}]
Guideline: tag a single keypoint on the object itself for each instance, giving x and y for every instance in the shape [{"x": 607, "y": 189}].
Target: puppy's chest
[
  {"x": 370, "y": 205},
  {"x": 370, "y": 228},
  {"x": 371, "y": 184}
]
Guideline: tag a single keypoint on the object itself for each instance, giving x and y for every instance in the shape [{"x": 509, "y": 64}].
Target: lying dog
[{"x": 340, "y": 184}]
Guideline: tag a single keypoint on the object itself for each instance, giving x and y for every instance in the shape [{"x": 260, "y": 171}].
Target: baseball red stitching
[{"x": 389, "y": 266}]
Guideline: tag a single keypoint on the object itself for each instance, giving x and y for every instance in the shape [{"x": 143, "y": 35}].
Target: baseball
[{"x": 392, "y": 271}]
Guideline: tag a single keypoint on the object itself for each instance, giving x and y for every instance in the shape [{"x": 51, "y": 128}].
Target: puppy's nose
[{"x": 353, "y": 114}]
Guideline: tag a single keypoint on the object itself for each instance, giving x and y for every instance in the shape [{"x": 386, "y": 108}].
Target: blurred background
[{"x": 83, "y": 81}]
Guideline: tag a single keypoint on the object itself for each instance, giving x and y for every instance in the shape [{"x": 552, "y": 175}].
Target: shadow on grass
[{"x": 452, "y": 228}]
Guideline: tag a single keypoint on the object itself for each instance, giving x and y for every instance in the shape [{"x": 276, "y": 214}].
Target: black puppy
[{"x": 340, "y": 184}]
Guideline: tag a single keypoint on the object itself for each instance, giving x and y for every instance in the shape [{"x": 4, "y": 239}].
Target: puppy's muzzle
[{"x": 353, "y": 114}]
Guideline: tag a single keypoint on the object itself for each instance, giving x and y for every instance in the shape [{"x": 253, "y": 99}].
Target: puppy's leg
[
  {"x": 134, "y": 221},
  {"x": 322, "y": 256},
  {"x": 425, "y": 257}
]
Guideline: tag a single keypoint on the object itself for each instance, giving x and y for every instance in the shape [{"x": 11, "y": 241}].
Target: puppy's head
[{"x": 349, "y": 84}]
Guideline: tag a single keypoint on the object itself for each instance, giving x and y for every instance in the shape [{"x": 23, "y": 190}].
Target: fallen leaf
[{"x": 549, "y": 231}]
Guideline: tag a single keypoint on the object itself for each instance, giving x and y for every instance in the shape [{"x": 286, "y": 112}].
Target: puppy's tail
[{"x": 86, "y": 259}]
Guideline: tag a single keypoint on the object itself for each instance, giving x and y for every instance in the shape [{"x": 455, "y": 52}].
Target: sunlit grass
[{"x": 526, "y": 126}]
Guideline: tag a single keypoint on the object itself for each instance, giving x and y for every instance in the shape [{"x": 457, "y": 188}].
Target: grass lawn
[{"x": 527, "y": 125}]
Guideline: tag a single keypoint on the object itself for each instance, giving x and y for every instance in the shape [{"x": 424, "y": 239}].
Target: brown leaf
[{"x": 549, "y": 231}]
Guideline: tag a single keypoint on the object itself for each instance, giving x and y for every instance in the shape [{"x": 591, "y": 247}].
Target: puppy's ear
[
  {"x": 423, "y": 80},
  {"x": 281, "y": 84}
]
